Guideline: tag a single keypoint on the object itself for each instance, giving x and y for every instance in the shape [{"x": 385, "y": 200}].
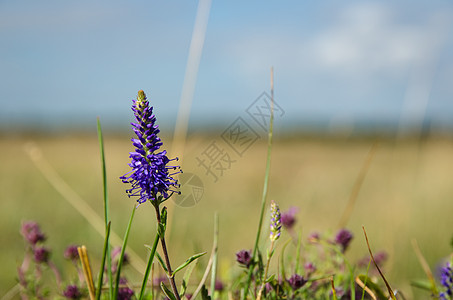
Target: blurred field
[{"x": 406, "y": 194}]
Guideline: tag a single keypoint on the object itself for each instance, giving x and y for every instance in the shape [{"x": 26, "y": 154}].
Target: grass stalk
[
  {"x": 208, "y": 267},
  {"x": 214, "y": 260},
  {"x": 123, "y": 248},
  {"x": 106, "y": 204},
  {"x": 87, "y": 270},
  {"x": 265, "y": 188},
  {"x": 104, "y": 256},
  {"x": 357, "y": 186},
  {"x": 149, "y": 266}
]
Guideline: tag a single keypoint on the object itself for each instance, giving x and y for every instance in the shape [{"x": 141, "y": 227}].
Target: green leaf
[
  {"x": 167, "y": 292},
  {"x": 372, "y": 286},
  {"x": 162, "y": 225},
  {"x": 270, "y": 278},
  {"x": 186, "y": 279},
  {"x": 187, "y": 262},
  {"x": 162, "y": 263},
  {"x": 282, "y": 259},
  {"x": 422, "y": 284}
]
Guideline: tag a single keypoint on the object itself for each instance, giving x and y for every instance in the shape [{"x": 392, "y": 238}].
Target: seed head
[{"x": 276, "y": 224}]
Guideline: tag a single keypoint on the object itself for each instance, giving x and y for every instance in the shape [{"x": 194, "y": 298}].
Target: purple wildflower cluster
[
  {"x": 446, "y": 279},
  {"x": 34, "y": 237},
  {"x": 72, "y": 292},
  {"x": 344, "y": 238},
  {"x": 150, "y": 176},
  {"x": 244, "y": 258},
  {"x": 289, "y": 218}
]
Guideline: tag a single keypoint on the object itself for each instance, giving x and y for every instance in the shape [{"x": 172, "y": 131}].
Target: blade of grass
[
  {"x": 377, "y": 267},
  {"x": 425, "y": 267},
  {"x": 214, "y": 259},
  {"x": 334, "y": 292},
  {"x": 148, "y": 267},
  {"x": 106, "y": 203},
  {"x": 208, "y": 268},
  {"x": 104, "y": 255},
  {"x": 357, "y": 186},
  {"x": 87, "y": 270},
  {"x": 123, "y": 248},
  {"x": 265, "y": 188},
  {"x": 366, "y": 289}
]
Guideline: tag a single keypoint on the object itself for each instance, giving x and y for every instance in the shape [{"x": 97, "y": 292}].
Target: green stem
[
  {"x": 263, "y": 281},
  {"x": 104, "y": 256},
  {"x": 166, "y": 257}
]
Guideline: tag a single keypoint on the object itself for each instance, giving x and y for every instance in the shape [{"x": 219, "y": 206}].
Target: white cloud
[
  {"x": 360, "y": 40},
  {"x": 369, "y": 38}
]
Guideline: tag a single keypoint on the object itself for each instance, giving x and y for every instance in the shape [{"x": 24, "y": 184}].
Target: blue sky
[{"x": 64, "y": 63}]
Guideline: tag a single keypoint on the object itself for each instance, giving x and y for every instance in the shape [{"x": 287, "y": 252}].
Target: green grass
[{"x": 406, "y": 194}]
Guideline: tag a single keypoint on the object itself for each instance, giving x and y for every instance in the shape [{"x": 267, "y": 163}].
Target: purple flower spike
[
  {"x": 32, "y": 233},
  {"x": 72, "y": 292},
  {"x": 343, "y": 238},
  {"x": 150, "y": 176},
  {"x": 244, "y": 257},
  {"x": 296, "y": 281},
  {"x": 289, "y": 218},
  {"x": 446, "y": 279}
]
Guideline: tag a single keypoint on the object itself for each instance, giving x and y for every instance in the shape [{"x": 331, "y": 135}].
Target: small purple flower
[
  {"x": 343, "y": 238},
  {"x": 72, "y": 292},
  {"x": 150, "y": 176},
  {"x": 218, "y": 285},
  {"x": 244, "y": 257},
  {"x": 446, "y": 279},
  {"x": 32, "y": 233},
  {"x": 71, "y": 253},
  {"x": 116, "y": 253},
  {"x": 125, "y": 293},
  {"x": 296, "y": 281},
  {"x": 41, "y": 255},
  {"x": 289, "y": 218}
]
